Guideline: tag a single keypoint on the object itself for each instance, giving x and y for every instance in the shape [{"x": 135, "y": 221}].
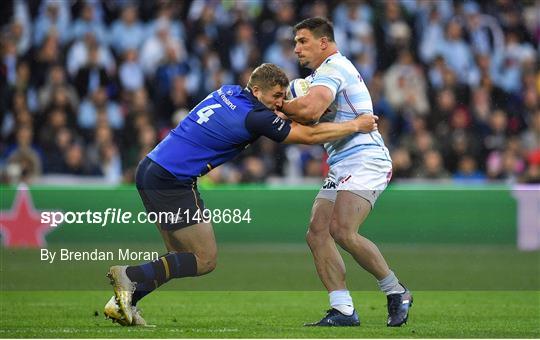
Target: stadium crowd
[{"x": 89, "y": 87}]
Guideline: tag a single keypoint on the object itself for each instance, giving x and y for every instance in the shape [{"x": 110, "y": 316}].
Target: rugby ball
[{"x": 297, "y": 88}]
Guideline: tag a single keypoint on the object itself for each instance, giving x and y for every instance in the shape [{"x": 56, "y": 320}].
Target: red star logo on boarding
[{"x": 21, "y": 225}]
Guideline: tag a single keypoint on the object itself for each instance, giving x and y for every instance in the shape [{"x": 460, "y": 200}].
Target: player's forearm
[{"x": 327, "y": 132}]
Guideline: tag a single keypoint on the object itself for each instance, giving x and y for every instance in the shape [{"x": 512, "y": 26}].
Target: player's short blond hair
[{"x": 267, "y": 76}]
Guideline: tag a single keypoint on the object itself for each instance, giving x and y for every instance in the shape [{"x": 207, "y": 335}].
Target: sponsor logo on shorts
[{"x": 329, "y": 184}]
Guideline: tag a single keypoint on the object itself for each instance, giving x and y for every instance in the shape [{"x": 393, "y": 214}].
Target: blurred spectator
[
  {"x": 366, "y": 65},
  {"x": 20, "y": 33},
  {"x": 393, "y": 33},
  {"x": 172, "y": 66},
  {"x": 99, "y": 106},
  {"x": 56, "y": 120},
  {"x": 130, "y": 74},
  {"x": 206, "y": 28},
  {"x": 531, "y": 14},
  {"x": 110, "y": 163},
  {"x": 17, "y": 115},
  {"x": 456, "y": 84},
  {"x": 497, "y": 136},
  {"x": 103, "y": 136},
  {"x": 61, "y": 100},
  {"x": 9, "y": 59},
  {"x": 253, "y": 170},
  {"x": 127, "y": 32},
  {"x": 281, "y": 53},
  {"x": 21, "y": 117},
  {"x": 381, "y": 105},
  {"x": 55, "y": 80},
  {"x": 243, "y": 52},
  {"x": 86, "y": 48},
  {"x": 62, "y": 138},
  {"x": 48, "y": 54},
  {"x": 432, "y": 33},
  {"x": 318, "y": 8},
  {"x": 23, "y": 85},
  {"x": 177, "y": 99},
  {"x": 457, "y": 54},
  {"x": 354, "y": 32},
  {"x": 530, "y": 138},
  {"x": 146, "y": 141},
  {"x": 92, "y": 75},
  {"x": 512, "y": 166},
  {"x": 23, "y": 160},
  {"x": 87, "y": 22},
  {"x": 423, "y": 142},
  {"x": 445, "y": 104},
  {"x": 481, "y": 107},
  {"x": 485, "y": 33},
  {"x": 405, "y": 86},
  {"x": 432, "y": 166},
  {"x": 468, "y": 170},
  {"x": 75, "y": 164},
  {"x": 436, "y": 72},
  {"x": 350, "y": 13},
  {"x": 226, "y": 173},
  {"x": 458, "y": 146},
  {"x": 166, "y": 17},
  {"x": 312, "y": 160},
  {"x": 277, "y": 17},
  {"x": 155, "y": 46},
  {"x": 401, "y": 163},
  {"x": 506, "y": 67},
  {"x": 532, "y": 174},
  {"x": 53, "y": 18}
]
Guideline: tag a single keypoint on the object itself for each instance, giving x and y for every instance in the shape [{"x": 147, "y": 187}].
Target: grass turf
[
  {"x": 269, "y": 291},
  {"x": 276, "y": 267},
  {"x": 447, "y": 314}
]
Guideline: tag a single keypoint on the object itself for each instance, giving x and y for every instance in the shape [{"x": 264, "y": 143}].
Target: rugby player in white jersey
[{"x": 360, "y": 169}]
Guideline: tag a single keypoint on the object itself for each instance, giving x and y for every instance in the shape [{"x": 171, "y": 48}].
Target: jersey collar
[
  {"x": 324, "y": 62},
  {"x": 251, "y": 97}
]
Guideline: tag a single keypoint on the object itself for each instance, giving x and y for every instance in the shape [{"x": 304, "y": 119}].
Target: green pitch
[
  {"x": 270, "y": 315},
  {"x": 269, "y": 291}
]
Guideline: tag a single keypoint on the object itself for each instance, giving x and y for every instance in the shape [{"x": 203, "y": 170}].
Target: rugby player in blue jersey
[
  {"x": 360, "y": 169},
  {"x": 214, "y": 132}
]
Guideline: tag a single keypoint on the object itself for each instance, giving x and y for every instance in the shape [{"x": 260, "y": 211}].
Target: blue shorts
[{"x": 174, "y": 201}]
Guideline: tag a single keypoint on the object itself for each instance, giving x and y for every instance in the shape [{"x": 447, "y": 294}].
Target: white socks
[
  {"x": 342, "y": 301},
  {"x": 390, "y": 284}
]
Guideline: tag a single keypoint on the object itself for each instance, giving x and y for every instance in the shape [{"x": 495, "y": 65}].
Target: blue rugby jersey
[{"x": 217, "y": 130}]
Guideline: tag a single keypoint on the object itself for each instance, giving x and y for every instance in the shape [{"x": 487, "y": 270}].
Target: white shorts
[{"x": 360, "y": 174}]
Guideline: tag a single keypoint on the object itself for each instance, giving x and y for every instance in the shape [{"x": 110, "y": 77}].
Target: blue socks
[{"x": 149, "y": 276}]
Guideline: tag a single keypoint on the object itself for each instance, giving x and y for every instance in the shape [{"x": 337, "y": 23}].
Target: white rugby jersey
[{"x": 351, "y": 98}]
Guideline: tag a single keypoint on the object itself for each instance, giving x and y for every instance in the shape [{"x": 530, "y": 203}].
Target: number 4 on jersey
[{"x": 205, "y": 113}]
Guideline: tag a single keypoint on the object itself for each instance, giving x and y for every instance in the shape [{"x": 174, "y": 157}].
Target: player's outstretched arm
[
  {"x": 326, "y": 132},
  {"x": 309, "y": 108}
]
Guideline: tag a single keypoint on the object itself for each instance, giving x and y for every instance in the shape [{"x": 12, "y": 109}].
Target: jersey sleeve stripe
[
  {"x": 293, "y": 91},
  {"x": 349, "y": 102}
]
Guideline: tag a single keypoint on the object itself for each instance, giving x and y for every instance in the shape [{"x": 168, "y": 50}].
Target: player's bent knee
[
  {"x": 206, "y": 263},
  {"x": 344, "y": 237},
  {"x": 315, "y": 237}
]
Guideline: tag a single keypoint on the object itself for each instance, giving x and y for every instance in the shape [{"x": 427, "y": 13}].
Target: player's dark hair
[
  {"x": 267, "y": 76},
  {"x": 319, "y": 27}
]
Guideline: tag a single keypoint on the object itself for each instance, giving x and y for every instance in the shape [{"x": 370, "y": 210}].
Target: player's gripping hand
[
  {"x": 281, "y": 115},
  {"x": 366, "y": 123}
]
